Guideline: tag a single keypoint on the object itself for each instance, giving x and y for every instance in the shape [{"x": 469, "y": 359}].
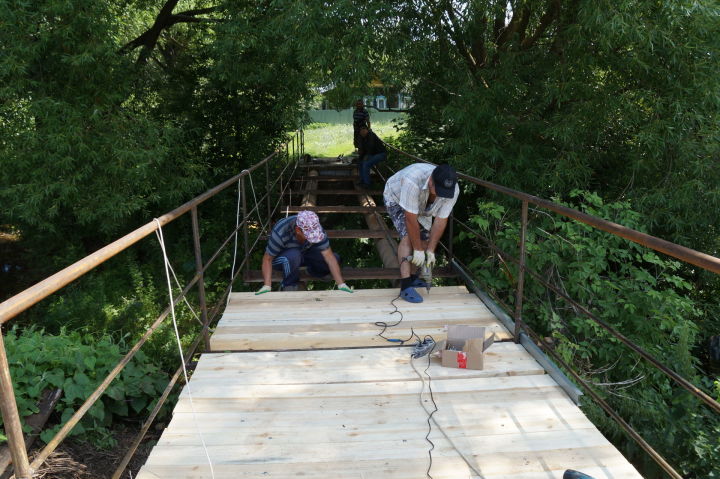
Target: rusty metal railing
[
  {"x": 687, "y": 255},
  {"x": 291, "y": 151}
]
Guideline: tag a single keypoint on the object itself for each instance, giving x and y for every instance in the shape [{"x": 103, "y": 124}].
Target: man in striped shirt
[
  {"x": 361, "y": 118},
  {"x": 413, "y": 197},
  {"x": 299, "y": 241}
]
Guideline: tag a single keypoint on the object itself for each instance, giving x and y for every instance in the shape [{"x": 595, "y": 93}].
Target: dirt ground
[{"x": 81, "y": 460}]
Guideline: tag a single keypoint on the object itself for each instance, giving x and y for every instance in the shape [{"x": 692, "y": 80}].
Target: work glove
[
  {"x": 430, "y": 259},
  {"x": 418, "y": 258},
  {"x": 345, "y": 287},
  {"x": 263, "y": 290}
]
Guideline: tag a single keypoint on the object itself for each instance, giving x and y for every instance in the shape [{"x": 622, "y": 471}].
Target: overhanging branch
[{"x": 164, "y": 20}]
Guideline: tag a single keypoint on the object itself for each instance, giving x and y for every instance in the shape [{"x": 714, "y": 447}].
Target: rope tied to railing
[{"x": 161, "y": 240}]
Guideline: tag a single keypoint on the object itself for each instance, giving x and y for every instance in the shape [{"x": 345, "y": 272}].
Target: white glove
[
  {"x": 430, "y": 261},
  {"x": 264, "y": 289},
  {"x": 418, "y": 258},
  {"x": 345, "y": 287}
]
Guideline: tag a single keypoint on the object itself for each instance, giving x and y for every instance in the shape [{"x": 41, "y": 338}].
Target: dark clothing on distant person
[
  {"x": 372, "y": 151},
  {"x": 371, "y": 145},
  {"x": 361, "y": 118}
]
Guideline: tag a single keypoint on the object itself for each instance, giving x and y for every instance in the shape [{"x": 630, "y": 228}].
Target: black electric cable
[
  {"x": 385, "y": 326},
  {"x": 429, "y": 418}
]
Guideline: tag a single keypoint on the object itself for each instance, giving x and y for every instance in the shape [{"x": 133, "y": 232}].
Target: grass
[{"x": 324, "y": 139}]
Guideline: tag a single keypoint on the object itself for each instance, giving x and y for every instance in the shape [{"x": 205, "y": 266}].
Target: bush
[
  {"x": 77, "y": 364},
  {"x": 629, "y": 287}
]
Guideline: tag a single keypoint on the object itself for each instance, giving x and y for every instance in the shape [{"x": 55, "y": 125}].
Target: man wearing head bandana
[{"x": 300, "y": 241}]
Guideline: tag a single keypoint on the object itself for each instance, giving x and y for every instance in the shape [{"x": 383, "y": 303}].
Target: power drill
[{"x": 425, "y": 272}]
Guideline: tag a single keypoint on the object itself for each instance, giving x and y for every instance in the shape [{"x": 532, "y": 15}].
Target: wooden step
[
  {"x": 355, "y": 234},
  {"x": 329, "y": 166},
  {"x": 334, "y": 209},
  {"x": 336, "y": 192},
  {"x": 334, "y": 178},
  {"x": 255, "y": 276}
]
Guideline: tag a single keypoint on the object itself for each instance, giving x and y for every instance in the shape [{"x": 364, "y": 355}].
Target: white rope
[
  {"x": 179, "y": 343},
  {"x": 237, "y": 226},
  {"x": 287, "y": 208},
  {"x": 192, "y": 310},
  {"x": 472, "y": 467},
  {"x": 257, "y": 206}
]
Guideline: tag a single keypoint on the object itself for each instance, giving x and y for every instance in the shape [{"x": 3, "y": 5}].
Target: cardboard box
[{"x": 465, "y": 347}]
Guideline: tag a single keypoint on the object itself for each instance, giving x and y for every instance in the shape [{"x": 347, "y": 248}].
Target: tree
[{"x": 83, "y": 154}]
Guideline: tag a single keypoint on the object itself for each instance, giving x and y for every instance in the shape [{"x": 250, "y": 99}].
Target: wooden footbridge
[
  {"x": 324, "y": 399},
  {"x": 307, "y": 384}
]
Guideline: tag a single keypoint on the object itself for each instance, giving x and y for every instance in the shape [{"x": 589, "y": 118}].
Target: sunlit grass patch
[
  {"x": 9, "y": 234},
  {"x": 324, "y": 139}
]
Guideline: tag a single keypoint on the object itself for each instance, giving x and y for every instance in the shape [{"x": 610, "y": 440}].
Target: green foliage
[
  {"x": 85, "y": 148},
  {"x": 628, "y": 287},
  {"x": 333, "y": 140},
  {"x": 614, "y": 96},
  {"x": 77, "y": 363},
  {"x": 611, "y": 96}
]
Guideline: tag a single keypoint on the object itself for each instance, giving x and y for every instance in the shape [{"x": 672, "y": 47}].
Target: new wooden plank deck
[
  {"x": 356, "y": 413},
  {"x": 334, "y": 319},
  {"x": 255, "y": 276}
]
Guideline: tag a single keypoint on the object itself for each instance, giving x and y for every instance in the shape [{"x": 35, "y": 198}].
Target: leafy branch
[{"x": 164, "y": 20}]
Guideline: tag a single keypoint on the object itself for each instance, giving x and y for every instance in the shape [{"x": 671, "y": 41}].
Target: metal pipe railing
[
  {"x": 688, "y": 255},
  {"x": 562, "y": 380},
  {"x": 687, "y": 385},
  {"x": 11, "y": 418},
  {"x": 660, "y": 460},
  {"x": 682, "y": 253},
  {"x": 521, "y": 274},
  {"x": 146, "y": 426},
  {"x": 22, "y": 301},
  {"x": 200, "y": 270}
]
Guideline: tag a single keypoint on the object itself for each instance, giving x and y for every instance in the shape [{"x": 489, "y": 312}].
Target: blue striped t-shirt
[
  {"x": 283, "y": 237},
  {"x": 360, "y": 118}
]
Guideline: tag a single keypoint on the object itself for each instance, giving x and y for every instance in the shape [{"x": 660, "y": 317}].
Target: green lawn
[{"x": 324, "y": 139}]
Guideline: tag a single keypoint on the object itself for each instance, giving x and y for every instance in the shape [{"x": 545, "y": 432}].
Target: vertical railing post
[
  {"x": 521, "y": 273},
  {"x": 245, "y": 226},
  {"x": 199, "y": 269},
  {"x": 267, "y": 189},
  {"x": 302, "y": 142},
  {"x": 280, "y": 179},
  {"x": 451, "y": 220},
  {"x": 11, "y": 418}
]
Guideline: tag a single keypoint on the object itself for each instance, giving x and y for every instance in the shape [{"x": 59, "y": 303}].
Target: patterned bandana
[{"x": 309, "y": 223}]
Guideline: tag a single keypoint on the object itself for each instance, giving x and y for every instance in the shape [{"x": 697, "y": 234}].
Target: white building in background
[{"x": 398, "y": 101}]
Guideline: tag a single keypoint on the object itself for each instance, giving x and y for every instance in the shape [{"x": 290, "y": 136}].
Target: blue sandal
[
  {"x": 410, "y": 295},
  {"x": 418, "y": 283}
]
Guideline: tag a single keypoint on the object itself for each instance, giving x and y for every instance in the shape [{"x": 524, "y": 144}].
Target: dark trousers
[
  {"x": 368, "y": 163},
  {"x": 290, "y": 260}
]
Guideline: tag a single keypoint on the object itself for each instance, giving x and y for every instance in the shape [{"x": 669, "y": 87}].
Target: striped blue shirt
[
  {"x": 283, "y": 237},
  {"x": 360, "y": 118}
]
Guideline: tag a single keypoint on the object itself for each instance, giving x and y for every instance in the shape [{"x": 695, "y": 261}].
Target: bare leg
[{"x": 404, "y": 250}]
